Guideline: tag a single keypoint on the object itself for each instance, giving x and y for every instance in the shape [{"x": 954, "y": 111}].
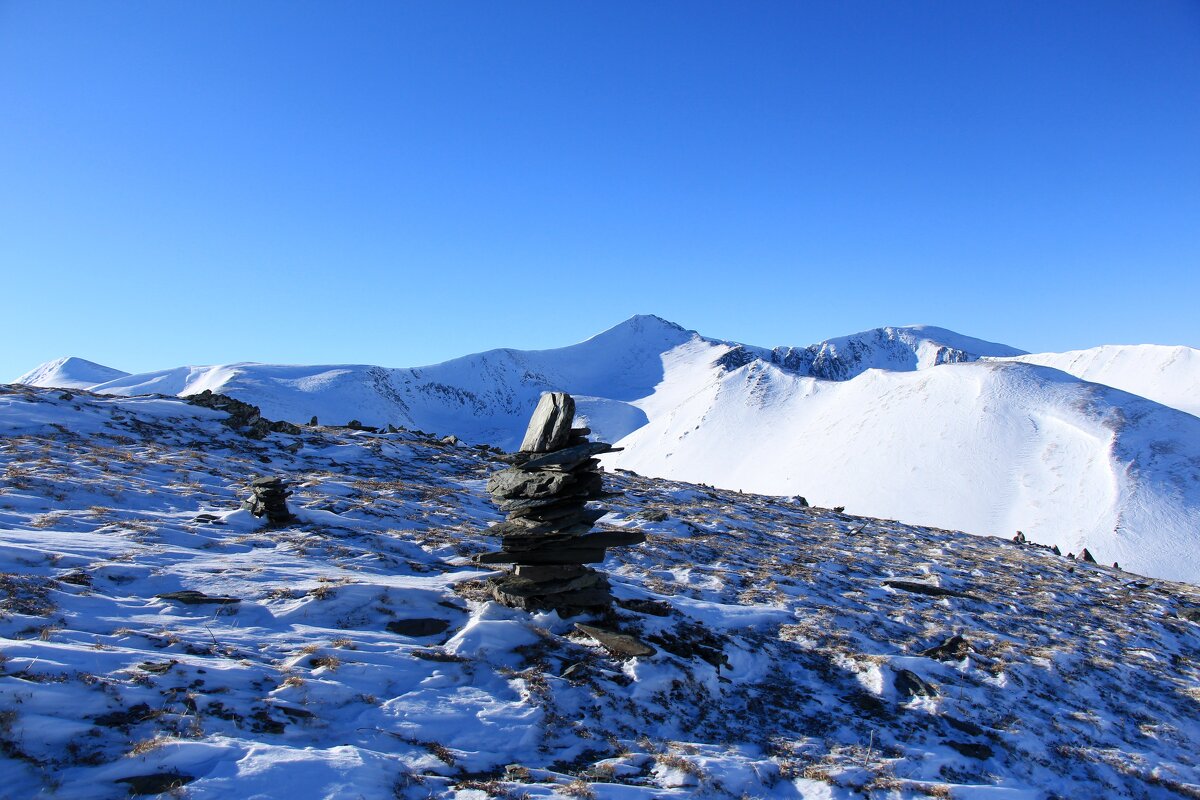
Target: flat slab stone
[
  {"x": 550, "y": 425},
  {"x": 619, "y": 644},
  {"x": 523, "y": 504},
  {"x": 514, "y": 529},
  {"x": 561, "y": 555},
  {"x": 191, "y": 597},
  {"x": 549, "y": 572},
  {"x": 924, "y": 588},
  {"x": 569, "y": 457},
  {"x": 563, "y": 602},
  {"x": 518, "y": 483},
  {"x": 517, "y": 586}
]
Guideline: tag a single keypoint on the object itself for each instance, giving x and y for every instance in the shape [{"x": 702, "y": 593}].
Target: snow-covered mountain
[
  {"x": 1167, "y": 375},
  {"x": 904, "y": 423},
  {"x": 70, "y": 373}
]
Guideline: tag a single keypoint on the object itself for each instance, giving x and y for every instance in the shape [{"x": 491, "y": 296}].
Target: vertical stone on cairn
[{"x": 547, "y": 535}]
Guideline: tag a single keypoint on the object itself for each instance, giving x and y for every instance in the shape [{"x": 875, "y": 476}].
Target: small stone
[
  {"x": 911, "y": 684},
  {"x": 1087, "y": 557},
  {"x": 953, "y": 649},
  {"x": 576, "y": 672},
  {"x": 619, "y": 644},
  {"x": 655, "y": 608},
  {"x": 551, "y": 423},
  {"x": 972, "y": 749}
]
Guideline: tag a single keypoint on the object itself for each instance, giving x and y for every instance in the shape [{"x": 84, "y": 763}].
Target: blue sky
[{"x": 401, "y": 183}]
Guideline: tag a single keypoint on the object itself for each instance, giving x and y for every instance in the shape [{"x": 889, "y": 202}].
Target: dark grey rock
[
  {"x": 549, "y": 572},
  {"x": 191, "y": 597},
  {"x": 972, "y": 749},
  {"x": 516, "y": 483},
  {"x": 911, "y": 684},
  {"x": 655, "y": 608},
  {"x": 517, "y": 586},
  {"x": 923, "y": 588},
  {"x": 530, "y": 504},
  {"x": 156, "y": 783},
  {"x": 565, "y": 555},
  {"x": 420, "y": 626},
  {"x": 619, "y": 644},
  {"x": 569, "y": 457},
  {"x": 953, "y": 649},
  {"x": 525, "y": 526},
  {"x": 550, "y": 425}
]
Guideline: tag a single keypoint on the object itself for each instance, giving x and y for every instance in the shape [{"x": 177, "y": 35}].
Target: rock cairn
[
  {"x": 269, "y": 499},
  {"x": 547, "y": 535}
]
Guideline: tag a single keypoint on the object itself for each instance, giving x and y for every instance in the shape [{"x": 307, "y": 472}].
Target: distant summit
[
  {"x": 70, "y": 372},
  {"x": 908, "y": 348}
]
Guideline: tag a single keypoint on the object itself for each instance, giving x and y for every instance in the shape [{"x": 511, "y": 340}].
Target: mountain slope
[
  {"x": 156, "y": 637},
  {"x": 70, "y": 373},
  {"x": 984, "y": 447},
  {"x": 1167, "y": 375}
]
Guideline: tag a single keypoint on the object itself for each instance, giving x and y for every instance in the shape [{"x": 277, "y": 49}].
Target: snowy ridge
[
  {"x": 909, "y": 348},
  {"x": 1167, "y": 375},
  {"x": 70, "y": 373},
  {"x": 153, "y": 637}
]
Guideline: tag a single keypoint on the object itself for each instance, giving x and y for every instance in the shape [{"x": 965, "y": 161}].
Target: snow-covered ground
[
  {"x": 355, "y": 654},
  {"x": 905, "y": 423}
]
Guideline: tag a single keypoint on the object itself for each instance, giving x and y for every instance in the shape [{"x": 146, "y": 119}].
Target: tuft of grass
[
  {"x": 330, "y": 663},
  {"x": 579, "y": 788},
  {"x": 148, "y": 745}
]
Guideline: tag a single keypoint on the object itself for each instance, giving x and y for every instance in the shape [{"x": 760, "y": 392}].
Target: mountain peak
[{"x": 70, "y": 372}]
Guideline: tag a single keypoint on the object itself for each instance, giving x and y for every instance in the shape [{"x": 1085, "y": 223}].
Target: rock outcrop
[{"x": 548, "y": 534}]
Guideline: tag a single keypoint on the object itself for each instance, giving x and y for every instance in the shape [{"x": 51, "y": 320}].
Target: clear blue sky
[{"x": 401, "y": 182}]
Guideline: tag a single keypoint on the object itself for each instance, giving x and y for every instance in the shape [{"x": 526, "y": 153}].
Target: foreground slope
[
  {"x": 801, "y": 652},
  {"x": 1167, "y": 375}
]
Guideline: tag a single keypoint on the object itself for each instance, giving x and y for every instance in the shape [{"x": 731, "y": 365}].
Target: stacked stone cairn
[
  {"x": 548, "y": 535},
  {"x": 269, "y": 499}
]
